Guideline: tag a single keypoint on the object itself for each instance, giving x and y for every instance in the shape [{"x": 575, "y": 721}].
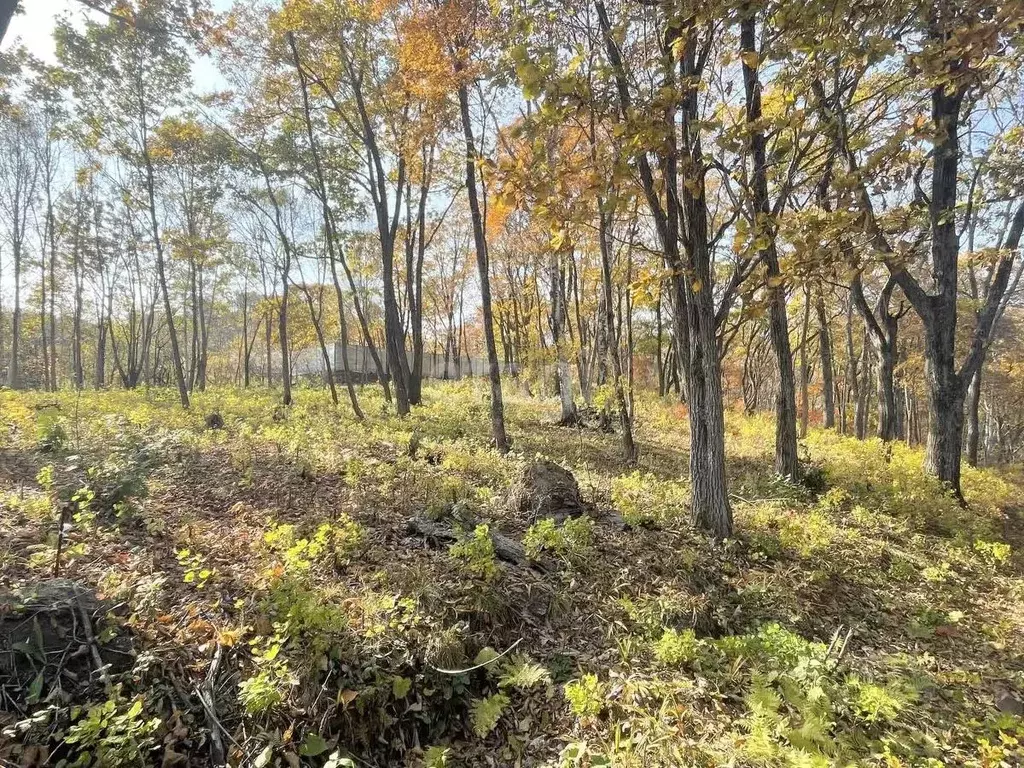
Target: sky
[{"x": 33, "y": 27}]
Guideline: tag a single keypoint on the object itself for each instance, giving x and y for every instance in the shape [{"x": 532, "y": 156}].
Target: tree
[
  {"x": 955, "y": 44},
  {"x": 19, "y": 181},
  {"x": 125, "y": 73},
  {"x": 764, "y": 227},
  {"x": 678, "y": 205}
]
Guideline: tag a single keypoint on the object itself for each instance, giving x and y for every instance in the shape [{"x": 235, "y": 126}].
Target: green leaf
[
  {"x": 400, "y": 686},
  {"x": 485, "y": 656},
  {"x": 313, "y": 745},
  {"x": 486, "y": 713},
  {"x": 36, "y": 689}
]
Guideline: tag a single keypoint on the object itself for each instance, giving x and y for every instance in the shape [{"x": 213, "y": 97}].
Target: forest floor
[{"x": 254, "y": 592}]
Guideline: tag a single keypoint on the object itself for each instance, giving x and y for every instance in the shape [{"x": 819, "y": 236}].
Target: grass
[{"x": 869, "y": 621}]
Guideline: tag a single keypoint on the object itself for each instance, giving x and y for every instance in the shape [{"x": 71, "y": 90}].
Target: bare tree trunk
[
  {"x": 805, "y": 372},
  {"x": 268, "y": 336},
  {"x": 77, "y": 268},
  {"x": 827, "y": 371},
  {"x": 176, "y": 364},
  {"x": 282, "y": 333},
  {"x": 973, "y": 406},
  {"x": 786, "y": 457},
  {"x": 629, "y": 449},
  {"x": 480, "y": 242},
  {"x": 863, "y": 393},
  {"x": 14, "y": 368},
  {"x": 558, "y": 317},
  {"x": 329, "y": 235},
  {"x": 314, "y": 318}
]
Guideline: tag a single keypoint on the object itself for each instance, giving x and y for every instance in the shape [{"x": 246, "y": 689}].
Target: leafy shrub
[
  {"x": 643, "y": 499},
  {"x": 476, "y": 554},
  {"x": 109, "y": 735},
  {"x": 298, "y": 554},
  {"x": 118, "y": 481},
  {"x": 670, "y": 607},
  {"x": 773, "y": 647},
  {"x": 833, "y": 500},
  {"x": 993, "y": 553},
  {"x": 436, "y": 757},
  {"x": 194, "y": 566},
  {"x": 586, "y": 696},
  {"x": 485, "y": 713},
  {"x": 265, "y": 690},
  {"x": 874, "y": 703},
  {"x": 52, "y": 437},
  {"x": 677, "y": 648},
  {"x": 522, "y": 673},
  {"x": 260, "y": 693},
  {"x": 573, "y": 541},
  {"x": 888, "y": 477},
  {"x": 774, "y": 530}
]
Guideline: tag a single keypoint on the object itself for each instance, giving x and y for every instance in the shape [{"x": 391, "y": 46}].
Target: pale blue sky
[{"x": 34, "y": 28}]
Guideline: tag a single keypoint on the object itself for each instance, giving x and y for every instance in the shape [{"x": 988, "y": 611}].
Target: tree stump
[{"x": 48, "y": 631}]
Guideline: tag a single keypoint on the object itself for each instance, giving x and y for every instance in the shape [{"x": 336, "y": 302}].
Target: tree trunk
[
  {"x": 268, "y": 334},
  {"x": 558, "y": 317},
  {"x": 629, "y": 449},
  {"x": 786, "y": 457},
  {"x": 887, "y": 407},
  {"x": 176, "y": 364},
  {"x": 973, "y": 427},
  {"x": 480, "y": 242},
  {"x": 314, "y": 318},
  {"x": 77, "y": 363},
  {"x": 805, "y": 368},
  {"x": 945, "y": 405},
  {"x": 14, "y": 369},
  {"x": 329, "y": 235},
  {"x": 282, "y": 332},
  {"x": 827, "y": 371},
  {"x": 863, "y": 393},
  {"x": 692, "y": 284},
  {"x": 42, "y": 318}
]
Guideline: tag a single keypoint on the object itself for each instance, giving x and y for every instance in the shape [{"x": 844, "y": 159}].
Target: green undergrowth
[{"x": 863, "y": 617}]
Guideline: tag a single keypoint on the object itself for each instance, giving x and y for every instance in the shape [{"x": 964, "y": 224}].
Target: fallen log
[{"x": 505, "y": 547}]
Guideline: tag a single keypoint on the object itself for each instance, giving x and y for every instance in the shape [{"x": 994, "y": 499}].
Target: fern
[
  {"x": 485, "y": 713},
  {"x": 523, "y": 673}
]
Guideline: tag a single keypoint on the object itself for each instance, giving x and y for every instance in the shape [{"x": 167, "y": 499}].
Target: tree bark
[
  {"x": 629, "y": 449},
  {"x": 786, "y": 457},
  {"x": 805, "y": 368},
  {"x": 558, "y": 317},
  {"x": 176, "y": 364},
  {"x": 329, "y": 236},
  {"x": 827, "y": 371},
  {"x": 480, "y": 243},
  {"x": 692, "y": 284}
]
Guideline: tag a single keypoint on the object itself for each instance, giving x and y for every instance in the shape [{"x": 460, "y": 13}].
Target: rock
[
  {"x": 545, "y": 489},
  {"x": 1010, "y": 704}
]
